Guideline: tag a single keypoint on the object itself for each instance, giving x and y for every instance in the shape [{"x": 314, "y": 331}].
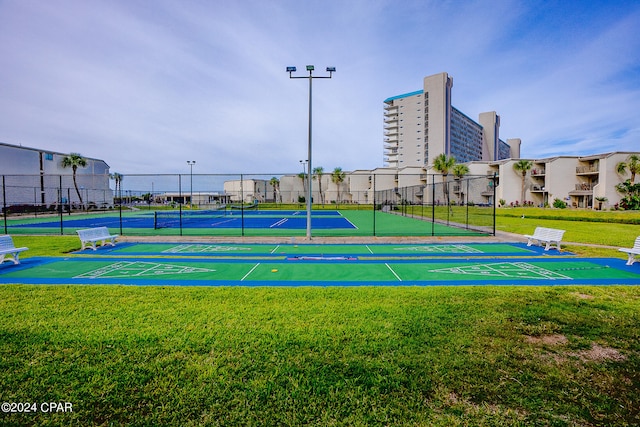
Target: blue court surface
[
  {"x": 255, "y": 219},
  {"x": 198, "y": 264}
]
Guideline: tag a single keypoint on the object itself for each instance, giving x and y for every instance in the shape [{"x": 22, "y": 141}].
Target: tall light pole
[
  {"x": 310, "y": 69},
  {"x": 191, "y": 163}
]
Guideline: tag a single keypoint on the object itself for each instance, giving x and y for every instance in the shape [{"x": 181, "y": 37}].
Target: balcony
[
  {"x": 488, "y": 191},
  {"x": 585, "y": 186},
  {"x": 538, "y": 172},
  {"x": 588, "y": 170},
  {"x": 582, "y": 189},
  {"x": 537, "y": 189}
]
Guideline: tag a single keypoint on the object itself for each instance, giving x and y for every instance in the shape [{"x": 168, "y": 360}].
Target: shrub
[{"x": 560, "y": 204}]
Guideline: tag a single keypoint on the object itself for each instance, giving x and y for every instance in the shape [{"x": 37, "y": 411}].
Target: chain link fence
[{"x": 376, "y": 203}]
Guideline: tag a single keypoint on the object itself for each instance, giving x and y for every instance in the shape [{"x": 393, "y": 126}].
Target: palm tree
[
  {"x": 631, "y": 193},
  {"x": 632, "y": 164},
  {"x": 443, "y": 164},
  {"x": 275, "y": 184},
  {"x": 117, "y": 177},
  {"x": 337, "y": 177},
  {"x": 459, "y": 171},
  {"x": 317, "y": 173},
  {"x": 523, "y": 166},
  {"x": 75, "y": 160}
]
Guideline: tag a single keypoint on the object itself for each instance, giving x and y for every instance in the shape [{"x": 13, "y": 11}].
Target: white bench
[
  {"x": 632, "y": 252},
  {"x": 9, "y": 250},
  {"x": 548, "y": 236},
  {"x": 90, "y": 237}
]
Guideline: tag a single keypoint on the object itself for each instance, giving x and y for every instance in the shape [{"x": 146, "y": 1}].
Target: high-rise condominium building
[{"x": 418, "y": 126}]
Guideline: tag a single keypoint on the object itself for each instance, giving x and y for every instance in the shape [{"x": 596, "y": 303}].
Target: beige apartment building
[
  {"x": 577, "y": 180},
  {"x": 420, "y": 125}
]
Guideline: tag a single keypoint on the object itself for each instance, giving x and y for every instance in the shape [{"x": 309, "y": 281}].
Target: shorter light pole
[
  {"x": 304, "y": 176},
  {"x": 191, "y": 163}
]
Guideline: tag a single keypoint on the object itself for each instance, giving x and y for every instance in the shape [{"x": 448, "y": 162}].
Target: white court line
[
  {"x": 150, "y": 270},
  {"x": 369, "y": 249},
  {"x": 279, "y": 223},
  {"x": 347, "y": 219},
  {"x": 250, "y": 271},
  {"x": 548, "y": 274},
  {"x": 275, "y": 249},
  {"x": 104, "y": 270},
  {"x": 175, "y": 249},
  {"x": 215, "y": 224},
  {"x": 394, "y": 273}
]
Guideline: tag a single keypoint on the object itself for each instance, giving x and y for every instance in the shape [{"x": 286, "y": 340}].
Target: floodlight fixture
[{"x": 310, "y": 68}]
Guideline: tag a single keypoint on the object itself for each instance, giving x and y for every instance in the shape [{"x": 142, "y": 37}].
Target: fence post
[
  {"x": 119, "y": 195},
  {"x": 467, "y": 204},
  {"x": 448, "y": 199},
  {"x": 242, "y": 205},
  {"x": 494, "y": 203},
  {"x": 4, "y": 204},
  {"x": 433, "y": 204},
  {"x": 60, "y": 204},
  {"x": 374, "y": 204},
  {"x": 181, "y": 200}
]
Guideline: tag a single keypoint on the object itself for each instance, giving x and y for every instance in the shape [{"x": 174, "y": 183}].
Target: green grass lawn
[
  {"x": 617, "y": 229},
  {"x": 427, "y": 356},
  {"x": 329, "y": 356}
]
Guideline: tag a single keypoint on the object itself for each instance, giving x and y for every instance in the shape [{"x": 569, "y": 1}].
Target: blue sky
[{"x": 148, "y": 85}]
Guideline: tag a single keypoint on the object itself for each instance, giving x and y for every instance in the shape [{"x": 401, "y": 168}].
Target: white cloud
[{"x": 147, "y": 86}]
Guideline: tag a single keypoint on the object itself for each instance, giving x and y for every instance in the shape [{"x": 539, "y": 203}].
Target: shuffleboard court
[
  {"x": 321, "y": 271},
  {"x": 361, "y": 250}
]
